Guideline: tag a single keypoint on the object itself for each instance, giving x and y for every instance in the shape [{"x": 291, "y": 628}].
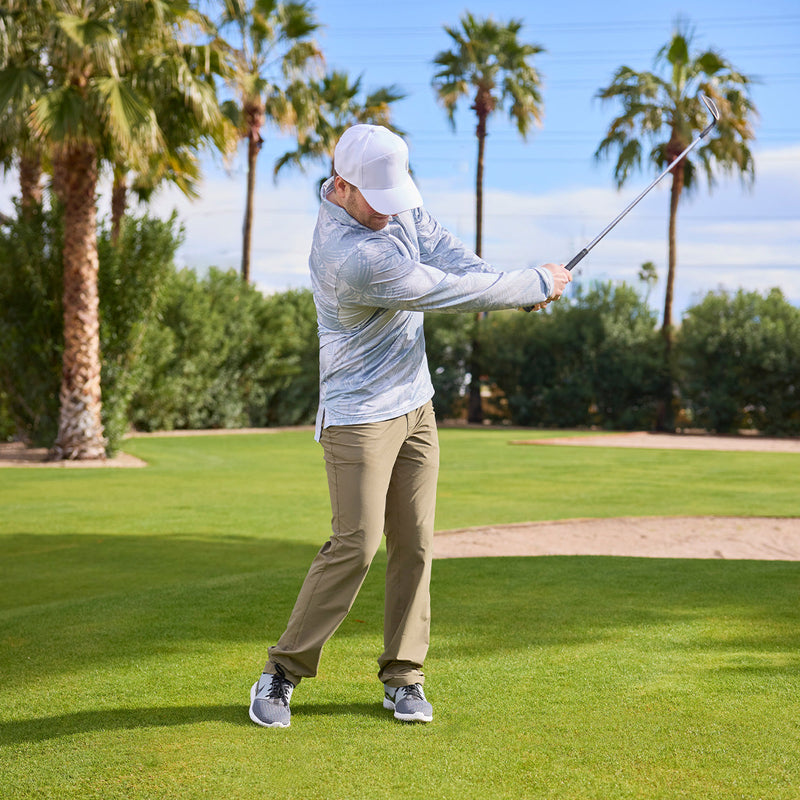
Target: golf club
[{"x": 709, "y": 103}]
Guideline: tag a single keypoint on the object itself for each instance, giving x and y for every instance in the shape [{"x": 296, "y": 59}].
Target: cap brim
[{"x": 395, "y": 200}]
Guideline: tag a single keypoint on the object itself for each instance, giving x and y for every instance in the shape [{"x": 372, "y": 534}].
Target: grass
[{"x": 136, "y": 607}]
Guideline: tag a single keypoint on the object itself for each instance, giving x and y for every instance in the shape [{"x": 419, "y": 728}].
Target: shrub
[
  {"x": 225, "y": 356},
  {"x": 131, "y": 278},
  {"x": 447, "y": 345},
  {"x": 738, "y": 359},
  {"x": 286, "y": 389},
  {"x": 195, "y": 360},
  {"x": 594, "y": 360},
  {"x": 31, "y": 325}
]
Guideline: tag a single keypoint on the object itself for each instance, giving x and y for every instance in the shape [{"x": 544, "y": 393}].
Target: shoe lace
[
  {"x": 415, "y": 691},
  {"x": 279, "y": 688}
]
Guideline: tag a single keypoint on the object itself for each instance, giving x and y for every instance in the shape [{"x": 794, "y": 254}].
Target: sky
[{"x": 545, "y": 197}]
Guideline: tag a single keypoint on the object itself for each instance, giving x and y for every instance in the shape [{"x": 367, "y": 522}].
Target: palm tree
[
  {"x": 664, "y": 109},
  {"x": 490, "y": 64},
  {"x": 22, "y": 32},
  {"x": 84, "y": 107},
  {"x": 177, "y": 74},
  {"x": 273, "y": 51},
  {"x": 336, "y": 98},
  {"x": 87, "y": 104}
]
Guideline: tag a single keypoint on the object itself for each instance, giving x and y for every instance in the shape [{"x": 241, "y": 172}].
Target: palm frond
[
  {"x": 60, "y": 116},
  {"x": 665, "y": 108},
  {"x": 130, "y": 120}
]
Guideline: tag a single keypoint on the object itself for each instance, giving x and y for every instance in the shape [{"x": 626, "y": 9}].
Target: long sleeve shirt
[{"x": 371, "y": 289}]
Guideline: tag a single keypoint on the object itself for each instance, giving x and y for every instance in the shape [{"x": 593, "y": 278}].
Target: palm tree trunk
[
  {"x": 253, "y": 146},
  {"x": 80, "y": 429},
  {"x": 119, "y": 202},
  {"x": 481, "y": 132},
  {"x": 674, "y": 199},
  {"x": 30, "y": 182},
  {"x": 475, "y": 407},
  {"x": 666, "y": 419}
]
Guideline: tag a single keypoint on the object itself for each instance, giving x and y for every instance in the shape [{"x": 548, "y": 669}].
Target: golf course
[{"x": 137, "y": 606}]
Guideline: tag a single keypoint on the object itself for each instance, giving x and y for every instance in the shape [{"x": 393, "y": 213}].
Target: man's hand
[{"x": 561, "y": 277}]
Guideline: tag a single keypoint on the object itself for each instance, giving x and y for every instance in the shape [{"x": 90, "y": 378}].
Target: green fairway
[{"x": 136, "y": 607}]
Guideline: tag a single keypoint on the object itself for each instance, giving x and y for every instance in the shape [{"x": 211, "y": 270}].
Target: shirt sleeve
[
  {"x": 439, "y": 248},
  {"x": 378, "y": 274}
]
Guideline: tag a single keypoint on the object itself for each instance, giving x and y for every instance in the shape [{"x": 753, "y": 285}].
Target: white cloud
[{"x": 728, "y": 239}]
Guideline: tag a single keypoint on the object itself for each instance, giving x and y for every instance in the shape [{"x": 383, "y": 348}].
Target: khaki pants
[{"x": 382, "y": 480}]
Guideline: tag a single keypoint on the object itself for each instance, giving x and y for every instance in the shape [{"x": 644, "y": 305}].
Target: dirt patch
[
  {"x": 770, "y": 538},
  {"x": 16, "y": 454},
  {"x": 676, "y": 441},
  {"x": 654, "y": 537}
]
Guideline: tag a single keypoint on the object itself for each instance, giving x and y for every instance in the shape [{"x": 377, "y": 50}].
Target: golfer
[{"x": 378, "y": 261}]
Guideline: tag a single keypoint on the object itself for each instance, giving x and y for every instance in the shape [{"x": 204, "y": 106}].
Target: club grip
[{"x": 576, "y": 260}]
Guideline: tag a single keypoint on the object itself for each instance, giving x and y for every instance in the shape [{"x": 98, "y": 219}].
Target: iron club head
[
  {"x": 713, "y": 110},
  {"x": 711, "y": 106}
]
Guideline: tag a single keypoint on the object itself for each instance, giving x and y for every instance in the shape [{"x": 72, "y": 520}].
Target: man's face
[{"x": 353, "y": 202}]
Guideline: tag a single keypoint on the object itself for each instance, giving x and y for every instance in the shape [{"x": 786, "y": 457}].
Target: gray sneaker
[
  {"x": 269, "y": 700},
  {"x": 408, "y": 703}
]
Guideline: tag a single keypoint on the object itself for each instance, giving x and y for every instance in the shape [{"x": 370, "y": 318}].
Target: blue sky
[{"x": 545, "y": 198}]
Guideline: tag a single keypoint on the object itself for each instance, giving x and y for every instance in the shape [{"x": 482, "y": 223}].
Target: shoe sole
[
  {"x": 261, "y": 721},
  {"x": 417, "y": 716}
]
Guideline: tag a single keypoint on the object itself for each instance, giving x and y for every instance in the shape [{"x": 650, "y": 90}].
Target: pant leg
[
  {"x": 410, "y": 509},
  {"x": 359, "y": 461}
]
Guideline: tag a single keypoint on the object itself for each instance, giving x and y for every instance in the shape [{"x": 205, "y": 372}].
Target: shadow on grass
[
  {"x": 95, "y": 599},
  {"x": 43, "y": 729},
  {"x": 98, "y": 600},
  {"x": 512, "y": 603}
]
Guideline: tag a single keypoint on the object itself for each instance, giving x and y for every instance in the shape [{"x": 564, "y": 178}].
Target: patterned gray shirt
[{"x": 371, "y": 289}]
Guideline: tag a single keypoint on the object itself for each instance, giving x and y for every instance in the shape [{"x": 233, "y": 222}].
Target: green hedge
[
  {"x": 184, "y": 351},
  {"x": 738, "y": 359},
  {"x": 221, "y": 355},
  {"x": 178, "y": 350},
  {"x": 31, "y": 326},
  {"x": 596, "y": 359}
]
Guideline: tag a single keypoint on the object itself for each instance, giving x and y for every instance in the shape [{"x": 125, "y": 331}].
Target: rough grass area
[{"x": 136, "y": 608}]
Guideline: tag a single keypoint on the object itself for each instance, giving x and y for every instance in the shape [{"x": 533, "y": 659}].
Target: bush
[
  {"x": 196, "y": 360},
  {"x": 595, "y": 360},
  {"x": 447, "y": 345},
  {"x": 738, "y": 359},
  {"x": 31, "y": 325},
  {"x": 286, "y": 389},
  {"x": 630, "y": 372},
  {"x": 225, "y": 356},
  {"x": 131, "y": 279}
]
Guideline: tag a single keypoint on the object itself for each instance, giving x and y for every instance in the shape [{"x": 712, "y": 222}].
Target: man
[{"x": 378, "y": 261}]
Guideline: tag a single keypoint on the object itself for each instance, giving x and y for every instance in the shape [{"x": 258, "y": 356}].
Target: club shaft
[
  {"x": 631, "y": 205},
  {"x": 583, "y": 253}
]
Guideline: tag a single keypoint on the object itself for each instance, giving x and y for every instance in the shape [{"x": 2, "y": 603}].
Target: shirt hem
[{"x": 325, "y": 419}]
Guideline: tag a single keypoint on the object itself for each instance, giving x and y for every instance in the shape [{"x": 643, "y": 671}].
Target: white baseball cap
[{"x": 375, "y": 161}]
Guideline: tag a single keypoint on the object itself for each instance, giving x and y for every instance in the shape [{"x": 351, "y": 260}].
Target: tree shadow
[
  {"x": 42, "y": 729},
  {"x": 143, "y": 597}
]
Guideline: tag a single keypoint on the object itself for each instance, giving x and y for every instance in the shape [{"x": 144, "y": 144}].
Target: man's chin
[{"x": 379, "y": 222}]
